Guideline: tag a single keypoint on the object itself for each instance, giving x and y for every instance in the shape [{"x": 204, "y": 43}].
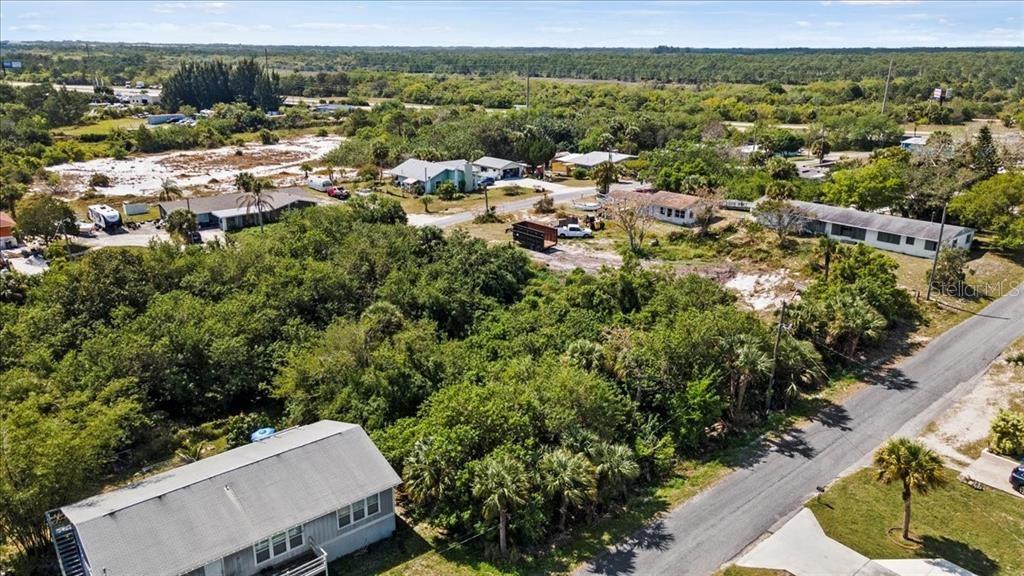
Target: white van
[
  {"x": 104, "y": 216},
  {"x": 320, "y": 183}
]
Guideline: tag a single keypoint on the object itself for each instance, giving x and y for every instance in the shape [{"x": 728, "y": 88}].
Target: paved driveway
[
  {"x": 993, "y": 471},
  {"x": 710, "y": 529}
]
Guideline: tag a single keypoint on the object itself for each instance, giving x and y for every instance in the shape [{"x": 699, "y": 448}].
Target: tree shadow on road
[
  {"x": 622, "y": 558},
  {"x": 891, "y": 378}
]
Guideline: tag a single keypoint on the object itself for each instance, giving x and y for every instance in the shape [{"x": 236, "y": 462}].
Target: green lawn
[
  {"x": 102, "y": 127},
  {"x": 980, "y": 531}
]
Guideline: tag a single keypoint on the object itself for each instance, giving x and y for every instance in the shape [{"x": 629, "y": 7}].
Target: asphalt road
[
  {"x": 560, "y": 193},
  {"x": 712, "y": 528}
]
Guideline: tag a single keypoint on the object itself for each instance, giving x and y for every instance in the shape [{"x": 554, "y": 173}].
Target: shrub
[
  {"x": 1006, "y": 436},
  {"x": 268, "y": 137},
  {"x": 322, "y": 133},
  {"x": 579, "y": 173},
  {"x": 546, "y": 205},
  {"x": 99, "y": 180},
  {"x": 446, "y": 190},
  {"x": 241, "y": 426}
]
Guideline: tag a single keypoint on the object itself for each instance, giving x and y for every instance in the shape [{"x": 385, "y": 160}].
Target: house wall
[
  {"x": 325, "y": 532},
  {"x": 871, "y": 238},
  {"x": 666, "y": 214}
]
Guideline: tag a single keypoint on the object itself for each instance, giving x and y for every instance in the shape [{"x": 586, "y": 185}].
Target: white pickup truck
[{"x": 574, "y": 231}]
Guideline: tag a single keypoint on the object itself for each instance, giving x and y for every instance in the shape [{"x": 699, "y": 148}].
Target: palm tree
[
  {"x": 615, "y": 467},
  {"x": 827, "y": 248},
  {"x": 820, "y": 148},
  {"x": 500, "y": 481},
  {"x": 380, "y": 153},
  {"x": 10, "y": 193},
  {"x": 913, "y": 464},
  {"x": 244, "y": 181},
  {"x": 570, "y": 477},
  {"x": 604, "y": 175},
  {"x": 427, "y": 200},
  {"x": 256, "y": 197},
  {"x": 169, "y": 190},
  {"x": 424, "y": 479},
  {"x": 750, "y": 362},
  {"x": 853, "y": 320},
  {"x": 306, "y": 169}
]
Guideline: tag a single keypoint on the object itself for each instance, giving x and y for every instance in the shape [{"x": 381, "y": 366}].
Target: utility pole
[
  {"x": 775, "y": 356},
  {"x": 888, "y": 77},
  {"x": 938, "y": 249}
]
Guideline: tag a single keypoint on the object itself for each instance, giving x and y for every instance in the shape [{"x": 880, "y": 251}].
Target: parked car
[
  {"x": 1017, "y": 477},
  {"x": 574, "y": 231},
  {"x": 195, "y": 238},
  {"x": 486, "y": 181},
  {"x": 339, "y": 193}
]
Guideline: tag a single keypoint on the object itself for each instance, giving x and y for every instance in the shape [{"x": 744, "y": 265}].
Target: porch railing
[{"x": 315, "y": 567}]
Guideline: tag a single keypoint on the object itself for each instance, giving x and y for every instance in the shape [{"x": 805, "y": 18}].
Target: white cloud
[
  {"x": 877, "y": 2},
  {"x": 803, "y": 23},
  {"x": 337, "y": 26},
  {"x": 263, "y": 27},
  {"x": 168, "y": 7},
  {"x": 214, "y": 7},
  {"x": 28, "y": 28},
  {"x": 558, "y": 29},
  {"x": 28, "y": 15},
  {"x": 834, "y": 24}
]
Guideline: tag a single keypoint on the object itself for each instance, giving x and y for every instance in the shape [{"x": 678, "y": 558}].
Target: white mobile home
[
  {"x": 292, "y": 502},
  {"x": 882, "y": 231},
  {"x": 231, "y": 211},
  {"x": 104, "y": 216}
]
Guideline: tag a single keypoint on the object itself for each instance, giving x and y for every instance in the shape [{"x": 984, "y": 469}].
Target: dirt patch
[
  {"x": 213, "y": 170},
  {"x": 764, "y": 291},
  {"x": 961, "y": 432}
]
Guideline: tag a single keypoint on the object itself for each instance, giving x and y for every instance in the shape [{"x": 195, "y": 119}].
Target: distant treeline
[{"x": 974, "y": 69}]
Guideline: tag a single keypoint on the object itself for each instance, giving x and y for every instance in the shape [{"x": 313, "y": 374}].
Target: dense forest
[{"x": 972, "y": 69}]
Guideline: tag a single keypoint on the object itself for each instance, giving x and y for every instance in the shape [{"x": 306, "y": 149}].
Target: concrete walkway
[
  {"x": 801, "y": 548},
  {"x": 994, "y": 471}
]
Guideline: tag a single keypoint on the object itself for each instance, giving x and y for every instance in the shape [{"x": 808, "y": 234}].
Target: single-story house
[
  {"x": 913, "y": 143},
  {"x": 497, "y": 168},
  {"x": 229, "y": 211},
  {"x": 882, "y": 231},
  {"x": 415, "y": 172},
  {"x": 293, "y": 501},
  {"x": 330, "y": 108},
  {"x": 7, "y": 224},
  {"x": 566, "y": 162},
  {"x": 669, "y": 207}
]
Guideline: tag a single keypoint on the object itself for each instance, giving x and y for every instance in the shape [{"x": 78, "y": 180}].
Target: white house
[
  {"x": 414, "y": 172},
  {"x": 882, "y": 231},
  {"x": 566, "y": 162},
  {"x": 497, "y": 168},
  {"x": 913, "y": 143},
  {"x": 288, "y": 504},
  {"x": 669, "y": 207}
]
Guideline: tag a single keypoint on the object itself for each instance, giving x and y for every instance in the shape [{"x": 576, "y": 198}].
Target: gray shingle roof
[
  {"x": 278, "y": 198},
  {"x": 416, "y": 169},
  {"x": 591, "y": 159},
  {"x": 185, "y": 518},
  {"x": 881, "y": 222}
]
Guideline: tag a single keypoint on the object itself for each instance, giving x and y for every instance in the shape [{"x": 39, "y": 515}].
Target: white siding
[{"x": 666, "y": 214}]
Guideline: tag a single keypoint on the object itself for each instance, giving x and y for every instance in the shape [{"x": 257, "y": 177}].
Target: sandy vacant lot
[{"x": 214, "y": 169}]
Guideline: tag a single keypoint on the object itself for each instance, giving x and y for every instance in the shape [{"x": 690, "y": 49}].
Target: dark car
[
  {"x": 1017, "y": 478},
  {"x": 195, "y": 237}
]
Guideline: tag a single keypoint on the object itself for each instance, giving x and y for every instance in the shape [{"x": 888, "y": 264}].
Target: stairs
[{"x": 65, "y": 541}]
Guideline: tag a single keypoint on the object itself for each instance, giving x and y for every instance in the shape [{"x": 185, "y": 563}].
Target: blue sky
[{"x": 715, "y": 24}]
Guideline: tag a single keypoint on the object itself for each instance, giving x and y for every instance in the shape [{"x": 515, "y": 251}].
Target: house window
[
  {"x": 358, "y": 511},
  {"x": 344, "y": 516},
  {"x": 262, "y": 551},
  {"x": 278, "y": 544},
  {"x": 888, "y": 238},
  {"x": 930, "y": 245},
  {"x": 848, "y": 231},
  {"x": 910, "y": 240},
  {"x": 661, "y": 210},
  {"x": 373, "y": 505}
]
